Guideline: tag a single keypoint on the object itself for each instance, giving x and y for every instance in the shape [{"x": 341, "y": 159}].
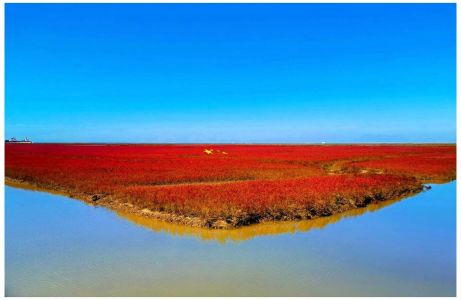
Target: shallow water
[{"x": 56, "y": 246}]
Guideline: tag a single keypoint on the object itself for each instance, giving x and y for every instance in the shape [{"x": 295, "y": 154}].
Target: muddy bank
[
  {"x": 245, "y": 233},
  {"x": 335, "y": 206}
]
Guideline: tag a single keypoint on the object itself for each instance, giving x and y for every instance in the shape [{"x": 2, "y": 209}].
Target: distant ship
[{"x": 15, "y": 141}]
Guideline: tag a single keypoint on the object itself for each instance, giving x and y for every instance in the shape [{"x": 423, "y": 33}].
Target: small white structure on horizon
[{"x": 15, "y": 141}]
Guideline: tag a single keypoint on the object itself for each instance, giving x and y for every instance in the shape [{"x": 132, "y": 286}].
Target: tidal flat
[{"x": 230, "y": 186}]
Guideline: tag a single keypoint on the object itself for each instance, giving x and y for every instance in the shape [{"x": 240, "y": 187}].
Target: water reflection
[
  {"x": 248, "y": 232},
  {"x": 58, "y": 247},
  {"x": 230, "y": 235}
]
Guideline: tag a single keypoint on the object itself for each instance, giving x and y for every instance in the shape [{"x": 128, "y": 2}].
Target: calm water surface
[{"x": 56, "y": 246}]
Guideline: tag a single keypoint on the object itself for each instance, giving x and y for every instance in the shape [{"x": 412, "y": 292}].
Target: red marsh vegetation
[{"x": 223, "y": 186}]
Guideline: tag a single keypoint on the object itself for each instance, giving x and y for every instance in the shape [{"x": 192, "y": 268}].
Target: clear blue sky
[{"x": 231, "y": 73}]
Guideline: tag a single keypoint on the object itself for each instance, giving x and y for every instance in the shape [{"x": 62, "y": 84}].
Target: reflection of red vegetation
[{"x": 264, "y": 180}]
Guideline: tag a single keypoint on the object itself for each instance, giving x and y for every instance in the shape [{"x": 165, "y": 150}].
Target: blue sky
[{"x": 297, "y": 73}]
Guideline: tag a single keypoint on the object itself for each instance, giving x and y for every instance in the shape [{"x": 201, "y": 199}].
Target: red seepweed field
[{"x": 223, "y": 186}]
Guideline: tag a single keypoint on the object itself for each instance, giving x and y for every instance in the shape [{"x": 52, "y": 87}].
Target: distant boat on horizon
[{"x": 13, "y": 140}]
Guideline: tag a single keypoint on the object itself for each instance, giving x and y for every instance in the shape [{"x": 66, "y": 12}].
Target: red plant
[{"x": 234, "y": 180}]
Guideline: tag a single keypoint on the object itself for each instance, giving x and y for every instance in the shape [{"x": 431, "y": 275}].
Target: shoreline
[{"x": 121, "y": 207}]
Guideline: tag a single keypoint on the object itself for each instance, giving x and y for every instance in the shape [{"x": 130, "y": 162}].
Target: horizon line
[{"x": 243, "y": 143}]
